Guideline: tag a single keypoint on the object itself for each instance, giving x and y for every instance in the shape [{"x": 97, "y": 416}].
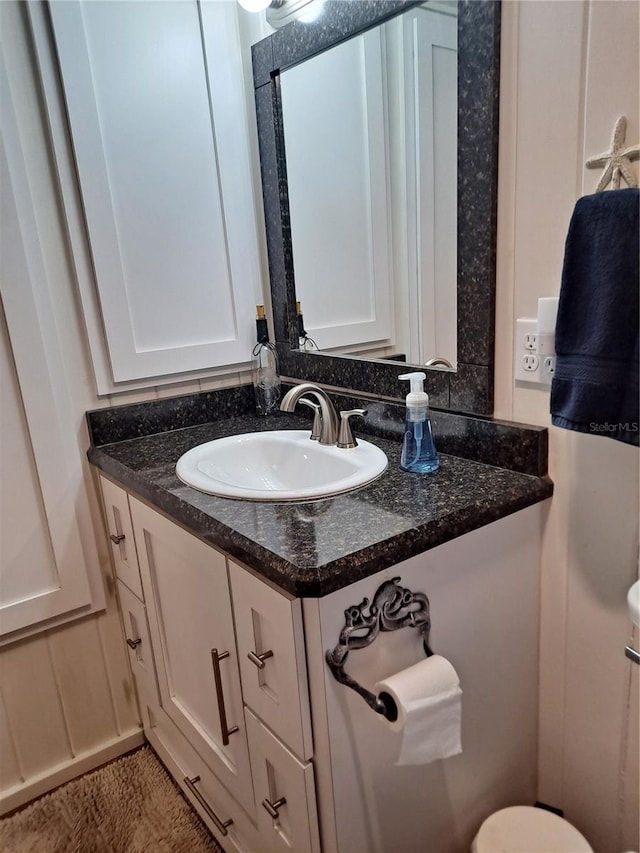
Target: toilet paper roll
[{"x": 427, "y": 697}]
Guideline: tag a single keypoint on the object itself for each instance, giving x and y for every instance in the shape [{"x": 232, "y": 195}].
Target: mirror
[
  {"x": 370, "y": 129},
  {"x": 344, "y": 29}
]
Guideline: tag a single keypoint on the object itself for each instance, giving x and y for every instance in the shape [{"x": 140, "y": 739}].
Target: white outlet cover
[{"x": 522, "y": 348}]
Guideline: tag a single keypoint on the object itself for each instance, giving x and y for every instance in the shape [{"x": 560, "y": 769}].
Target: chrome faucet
[
  {"x": 329, "y": 419},
  {"x": 439, "y": 361}
]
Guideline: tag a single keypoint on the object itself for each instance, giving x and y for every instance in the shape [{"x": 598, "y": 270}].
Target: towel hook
[{"x": 393, "y": 607}]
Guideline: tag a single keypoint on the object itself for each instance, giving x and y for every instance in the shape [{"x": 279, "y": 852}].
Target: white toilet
[{"x": 525, "y": 829}]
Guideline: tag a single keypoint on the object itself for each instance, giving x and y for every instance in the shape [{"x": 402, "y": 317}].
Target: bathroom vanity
[{"x": 229, "y": 608}]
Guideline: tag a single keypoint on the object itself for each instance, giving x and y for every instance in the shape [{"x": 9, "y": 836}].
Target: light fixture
[{"x": 282, "y": 12}]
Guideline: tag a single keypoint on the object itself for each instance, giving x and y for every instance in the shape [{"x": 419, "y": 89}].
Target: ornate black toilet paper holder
[{"x": 393, "y": 607}]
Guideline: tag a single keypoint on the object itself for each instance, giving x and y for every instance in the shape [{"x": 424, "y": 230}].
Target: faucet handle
[
  {"x": 345, "y": 436},
  {"x": 317, "y": 417}
]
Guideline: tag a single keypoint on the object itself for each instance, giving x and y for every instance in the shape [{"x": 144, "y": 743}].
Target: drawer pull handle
[
  {"x": 133, "y": 644},
  {"x": 217, "y": 677},
  {"x": 260, "y": 659},
  {"x": 272, "y": 808},
  {"x": 117, "y": 539},
  {"x": 221, "y": 824},
  {"x": 632, "y": 654}
]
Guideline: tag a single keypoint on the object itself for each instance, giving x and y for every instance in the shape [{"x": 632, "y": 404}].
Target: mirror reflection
[
  {"x": 371, "y": 147},
  {"x": 468, "y": 386}
]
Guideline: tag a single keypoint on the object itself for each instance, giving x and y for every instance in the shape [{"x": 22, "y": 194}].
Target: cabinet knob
[
  {"x": 117, "y": 539},
  {"x": 260, "y": 659},
  {"x": 272, "y": 808},
  {"x": 133, "y": 644}
]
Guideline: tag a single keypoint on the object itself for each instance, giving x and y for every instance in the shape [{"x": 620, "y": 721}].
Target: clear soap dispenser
[
  {"x": 266, "y": 382},
  {"x": 419, "y": 453}
]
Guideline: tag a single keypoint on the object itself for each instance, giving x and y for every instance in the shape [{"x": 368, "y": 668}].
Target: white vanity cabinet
[
  {"x": 483, "y": 589},
  {"x": 187, "y": 593},
  {"x": 311, "y": 768},
  {"x": 255, "y": 789}
]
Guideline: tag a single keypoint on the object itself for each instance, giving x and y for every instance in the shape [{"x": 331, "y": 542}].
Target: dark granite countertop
[{"x": 313, "y": 548}]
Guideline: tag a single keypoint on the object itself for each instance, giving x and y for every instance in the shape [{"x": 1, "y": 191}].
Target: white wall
[{"x": 569, "y": 69}]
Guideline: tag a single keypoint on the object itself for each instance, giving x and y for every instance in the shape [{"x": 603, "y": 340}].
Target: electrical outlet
[
  {"x": 534, "y": 356},
  {"x": 526, "y": 361},
  {"x": 548, "y": 368}
]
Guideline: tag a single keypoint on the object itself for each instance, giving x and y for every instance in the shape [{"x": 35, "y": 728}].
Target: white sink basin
[{"x": 283, "y": 465}]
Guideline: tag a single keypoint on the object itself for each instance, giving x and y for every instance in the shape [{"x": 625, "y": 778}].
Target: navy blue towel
[{"x": 595, "y": 385}]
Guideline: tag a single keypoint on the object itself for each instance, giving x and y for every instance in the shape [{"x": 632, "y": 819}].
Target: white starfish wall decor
[{"x": 617, "y": 160}]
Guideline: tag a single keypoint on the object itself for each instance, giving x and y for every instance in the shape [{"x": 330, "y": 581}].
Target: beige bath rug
[{"x": 128, "y": 806}]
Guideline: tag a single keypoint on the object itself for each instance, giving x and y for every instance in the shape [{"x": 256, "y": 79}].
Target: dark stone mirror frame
[{"x": 470, "y": 387}]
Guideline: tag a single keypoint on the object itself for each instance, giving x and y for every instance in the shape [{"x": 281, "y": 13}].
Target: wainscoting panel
[
  {"x": 77, "y": 660},
  {"x": 29, "y": 684},
  {"x": 91, "y": 712},
  {"x": 9, "y": 770}
]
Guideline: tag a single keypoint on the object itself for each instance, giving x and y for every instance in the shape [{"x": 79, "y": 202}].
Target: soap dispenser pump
[{"x": 419, "y": 454}]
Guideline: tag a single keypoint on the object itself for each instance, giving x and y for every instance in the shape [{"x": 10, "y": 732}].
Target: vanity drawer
[
  {"x": 285, "y": 793},
  {"x": 271, "y": 655},
  {"x": 120, "y": 532},
  {"x": 233, "y": 828},
  {"x": 136, "y": 631}
]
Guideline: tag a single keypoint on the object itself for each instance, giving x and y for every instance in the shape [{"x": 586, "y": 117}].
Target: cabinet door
[
  {"x": 272, "y": 658},
  {"x": 47, "y": 546},
  {"x": 285, "y": 793},
  {"x": 189, "y": 608},
  {"x": 161, "y": 149},
  {"x": 120, "y": 533},
  {"x": 136, "y": 632}
]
